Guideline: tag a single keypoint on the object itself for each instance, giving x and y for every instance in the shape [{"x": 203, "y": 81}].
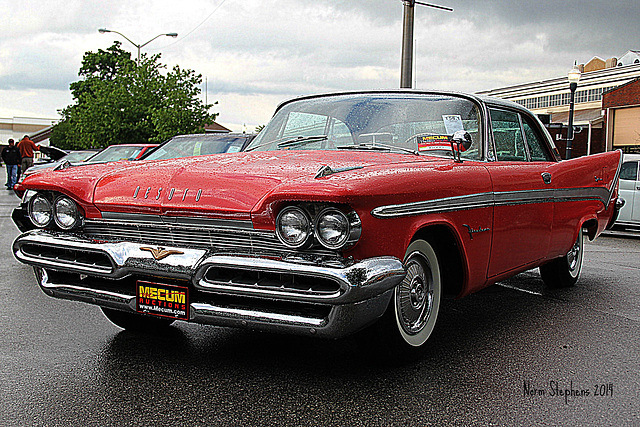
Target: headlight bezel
[
  {"x": 316, "y": 212},
  {"x": 306, "y": 229},
  {"x": 30, "y": 210},
  {"x": 52, "y": 199},
  {"x": 77, "y": 218},
  {"x": 344, "y": 235}
]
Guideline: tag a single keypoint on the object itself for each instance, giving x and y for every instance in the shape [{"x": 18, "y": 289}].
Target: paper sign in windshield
[
  {"x": 433, "y": 142},
  {"x": 452, "y": 123}
]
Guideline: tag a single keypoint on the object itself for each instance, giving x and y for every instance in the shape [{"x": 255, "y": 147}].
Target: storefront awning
[{"x": 580, "y": 117}]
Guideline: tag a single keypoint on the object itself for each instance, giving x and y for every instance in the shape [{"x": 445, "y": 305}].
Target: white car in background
[{"x": 629, "y": 215}]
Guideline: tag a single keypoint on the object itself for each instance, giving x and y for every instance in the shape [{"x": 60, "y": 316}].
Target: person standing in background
[
  {"x": 12, "y": 158},
  {"x": 27, "y": 147}
]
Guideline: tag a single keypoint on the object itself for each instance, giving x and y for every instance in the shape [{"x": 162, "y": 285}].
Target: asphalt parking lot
[{"x": 513, "y": 354}]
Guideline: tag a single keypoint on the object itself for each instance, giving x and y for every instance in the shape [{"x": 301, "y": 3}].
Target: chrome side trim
[
  {"x": 526, "y": 197},
  {"x": 447, "y": 204},
  {"x": 490, "y": 199}
]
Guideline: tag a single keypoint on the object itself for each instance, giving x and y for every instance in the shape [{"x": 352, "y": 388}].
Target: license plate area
[{"x": 159, "y": 299}]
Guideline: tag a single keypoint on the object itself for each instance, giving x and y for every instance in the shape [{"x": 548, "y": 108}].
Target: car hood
[
  {"x": 232, "y": 185},
  {"x": 54, "y": 153}
]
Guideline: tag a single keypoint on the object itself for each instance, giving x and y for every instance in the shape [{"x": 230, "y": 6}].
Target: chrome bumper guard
[{"x": 355, "y": 294}]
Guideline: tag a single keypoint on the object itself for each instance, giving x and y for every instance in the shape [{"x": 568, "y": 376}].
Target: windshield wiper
[
  {"x": 289, "y": 142},
  {"x": 377, "y": 146},
  {"x": 301, "y": 140}
]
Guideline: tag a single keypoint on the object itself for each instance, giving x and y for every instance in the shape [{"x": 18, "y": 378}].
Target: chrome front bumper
[{"x": 353, "y": 293}]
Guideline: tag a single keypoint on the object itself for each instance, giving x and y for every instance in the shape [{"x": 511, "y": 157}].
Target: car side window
[
  {"x": 629, "y": 171},
  {"x": 507, "y": 135},
  {"x": 537, "y": 147}
]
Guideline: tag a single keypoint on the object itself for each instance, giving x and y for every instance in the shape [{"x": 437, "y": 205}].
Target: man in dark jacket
[{"x": 12, "y": 158}]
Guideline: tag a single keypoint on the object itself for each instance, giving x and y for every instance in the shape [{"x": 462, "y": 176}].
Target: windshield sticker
[
  {"x": 452, "y": 123},
  {"x": 433, "y": 142}
]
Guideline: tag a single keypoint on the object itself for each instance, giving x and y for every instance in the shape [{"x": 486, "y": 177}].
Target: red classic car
[{"x": 347, "y": 211}]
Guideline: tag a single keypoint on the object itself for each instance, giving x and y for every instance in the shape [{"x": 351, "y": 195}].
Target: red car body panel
[
  {"x": 246, "y": 186},
  {"x": 216, "y": 223}
]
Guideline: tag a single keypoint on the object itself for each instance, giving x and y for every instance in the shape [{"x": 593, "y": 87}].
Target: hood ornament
[
  {"x": 160, "y": 253},
  {"x": 327, "y": 170}
]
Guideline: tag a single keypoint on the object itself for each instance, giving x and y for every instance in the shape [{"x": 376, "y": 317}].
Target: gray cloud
[{"x": 281, "y": 48}]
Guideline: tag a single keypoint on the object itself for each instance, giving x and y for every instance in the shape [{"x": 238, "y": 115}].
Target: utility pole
[{"x": 406, "y": 65}]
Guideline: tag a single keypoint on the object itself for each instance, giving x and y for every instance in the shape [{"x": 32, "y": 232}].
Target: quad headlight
[
  {"x": 40, "y": 210},
  {"x": 293, "y": 227},
  {"x": 66, "y": 213},
  {"x": 63, "y": 211},
  {"x": 332, "y": 228},
  {"x": 329, "y": 226}
]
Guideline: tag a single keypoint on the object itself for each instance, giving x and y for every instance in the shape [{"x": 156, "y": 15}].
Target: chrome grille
[
  {"x": 218, "y": 239},
  {"x": 269, "y": 283},
  {"x": 67, "y": 257}
]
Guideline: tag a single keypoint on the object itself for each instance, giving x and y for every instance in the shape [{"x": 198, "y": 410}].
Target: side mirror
[{"x": 460, "y": 142}]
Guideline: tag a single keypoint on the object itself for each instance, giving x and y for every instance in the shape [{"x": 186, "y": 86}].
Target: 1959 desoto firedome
[{"x": 348, "y": 210}]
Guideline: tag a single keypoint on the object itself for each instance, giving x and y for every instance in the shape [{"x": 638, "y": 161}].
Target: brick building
[
  {"x": 614, "y": 79},
  {"x": 621, "y": 108}
]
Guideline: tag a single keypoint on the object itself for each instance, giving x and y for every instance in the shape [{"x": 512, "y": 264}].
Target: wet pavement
[{"x": 512, "y": 354}]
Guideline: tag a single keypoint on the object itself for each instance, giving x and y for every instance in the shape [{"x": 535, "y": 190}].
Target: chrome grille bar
[{"x": 219, "y": 239}]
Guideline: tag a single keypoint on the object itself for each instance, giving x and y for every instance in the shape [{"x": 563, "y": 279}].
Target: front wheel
[
  {"x": 413, "y": 310},
  {"x": 564, "y": 272},
  {"x": 135, "y": 322}
]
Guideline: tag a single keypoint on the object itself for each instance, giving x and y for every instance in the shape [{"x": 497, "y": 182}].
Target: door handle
[{"x": 546, "y": 177}]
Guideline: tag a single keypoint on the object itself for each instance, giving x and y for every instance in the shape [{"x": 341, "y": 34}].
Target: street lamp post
[
  {"x": 139, "y": 46},
  {"x": 406, "y": 64},
  {"x": 574, "y": 78}
]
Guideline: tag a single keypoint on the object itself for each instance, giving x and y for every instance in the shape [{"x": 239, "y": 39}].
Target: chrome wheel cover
[
  {"x": 414, "y": 296},
  {"x": 574, "y": 256}
]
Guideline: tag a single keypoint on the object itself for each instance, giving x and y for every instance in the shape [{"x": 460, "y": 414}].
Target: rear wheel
[
  {"x": 564, "y": 272},
  {"x": 135, "y": 322}
]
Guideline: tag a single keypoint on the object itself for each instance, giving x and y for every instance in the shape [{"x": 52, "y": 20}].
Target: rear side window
[
  {"x": 629, "y": 171},
  {"x": 507, "y": 135},
  {"x": 537, "y": 147}
]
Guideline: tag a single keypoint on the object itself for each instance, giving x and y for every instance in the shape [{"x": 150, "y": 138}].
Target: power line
[{"x": 197, "y": 26}]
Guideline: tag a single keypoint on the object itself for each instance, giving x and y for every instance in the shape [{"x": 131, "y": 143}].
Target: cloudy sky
[{"x": 257, "y": 53}]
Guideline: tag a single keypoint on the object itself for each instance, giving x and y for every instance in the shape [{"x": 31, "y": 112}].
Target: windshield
[
  {"x": 79, "y": 156},
  {"x": 116, "y": 152},
  {"x": 196, "y": 145},
  {"x": 395, "y": 122}
]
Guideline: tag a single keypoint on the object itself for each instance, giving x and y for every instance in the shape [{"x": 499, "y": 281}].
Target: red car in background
[
  {"x": 112, "y": 153},
  {"x": 347, "y": 211}
]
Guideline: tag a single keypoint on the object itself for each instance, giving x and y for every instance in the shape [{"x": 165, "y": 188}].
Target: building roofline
[{"x": 591, "y": 75}]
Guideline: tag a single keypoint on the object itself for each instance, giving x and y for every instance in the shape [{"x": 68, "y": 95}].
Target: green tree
[{"x": 118, "y": 102}]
